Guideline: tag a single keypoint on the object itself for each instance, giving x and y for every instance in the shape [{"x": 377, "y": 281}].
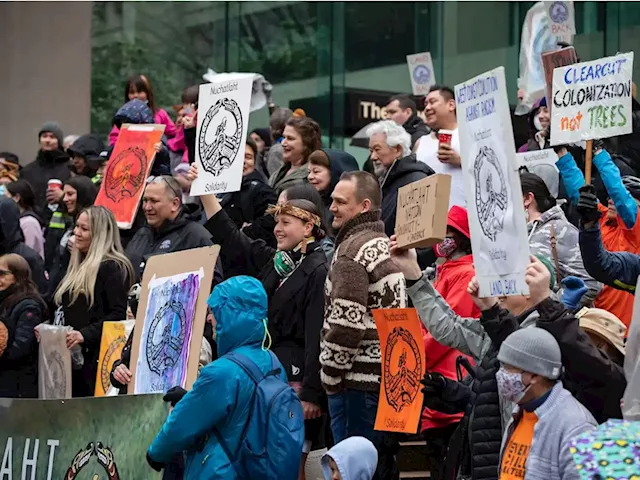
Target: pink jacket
[{"x": 161, "y": 117}]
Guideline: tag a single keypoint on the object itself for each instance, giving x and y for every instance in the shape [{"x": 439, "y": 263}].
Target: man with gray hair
[
  {"x": 394, "y": 165},
  {"x": 171, "y": 225}
]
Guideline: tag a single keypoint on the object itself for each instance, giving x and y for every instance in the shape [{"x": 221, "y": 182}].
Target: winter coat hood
[
  {"x": 88, "y": 147},
  {"x": 239, "y": 306},
  {"x": 339, "y": 162},
  {"x": 403, "y": 167},
  {"x": 134, "y": 111},
  {"x": 9, "y": 224},
  {"x": 87, "y": 191},
  {"x": 355, "y": 457}
]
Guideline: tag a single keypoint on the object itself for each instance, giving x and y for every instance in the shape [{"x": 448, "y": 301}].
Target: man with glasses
[{"x": 171, "y": 226}]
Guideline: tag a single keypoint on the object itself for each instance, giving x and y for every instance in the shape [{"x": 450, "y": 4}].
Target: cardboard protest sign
[
  {"x": 561, "y": 17},
  {"x": 494, "y": 199},
  {"x": 403, "y": 361},
  {"x": 127, "y": 170},
  {"x": 54, "y": 363},
  {"x": 173, "y": 306},
  {"x": 223, "y": 119},
  {"x": 552, "y": 60},
  {"x": 423, "y": 206},
  {"x": 421, "y": 72},
  {"x": 592, "y": 100},
  {"x": 114, "y": 337},
  {"x": 79, "y": 438}
]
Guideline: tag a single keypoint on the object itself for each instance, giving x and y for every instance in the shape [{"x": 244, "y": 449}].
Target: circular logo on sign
[
  {"x": 221, "y": 136},
  {"x": 421, "y": 74},
  {"x": 104, "y": 456},
  {"x": 124, "y": 175},
  {"x": 491, "y": 192},
  {"x": 56, "y": 379},
  {"x": 402, "y": 369},
  {"x": 166, "y": 337},
  {"x": 559, "y": 12},
  {"x": 107, "y": 362}
]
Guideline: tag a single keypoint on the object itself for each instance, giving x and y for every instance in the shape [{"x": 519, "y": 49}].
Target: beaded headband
[{"x": 288, "y": 209}]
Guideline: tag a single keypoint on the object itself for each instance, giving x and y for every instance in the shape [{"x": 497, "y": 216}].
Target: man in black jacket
[
  {"x": 50, "y": 163},
  {"x": 12, "y": 241},
  {"x": 402, "y": 110},
  {"x": 171, "y": 226},
  {"x": 395, "y": 166}
]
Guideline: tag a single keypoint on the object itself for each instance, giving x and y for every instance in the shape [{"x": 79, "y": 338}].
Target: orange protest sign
[
  {"x": 402, "y": 351},
  {"x": 114, "y": 337},
  {"x": 127, "y": 169}
]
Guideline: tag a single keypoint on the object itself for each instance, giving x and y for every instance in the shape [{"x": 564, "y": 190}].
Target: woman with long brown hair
[{"x": 21, "y": 309}]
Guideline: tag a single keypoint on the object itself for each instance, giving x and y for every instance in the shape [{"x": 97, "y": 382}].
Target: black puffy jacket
[
  {"x": 403, "y": 172},
  {"x": 19, "y": 362},
  {"x": 47, "y": 165},
  {"x": 251, "y": 201}
]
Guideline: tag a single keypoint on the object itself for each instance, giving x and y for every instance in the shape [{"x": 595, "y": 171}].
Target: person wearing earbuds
[{"x": 547, "y": 416}]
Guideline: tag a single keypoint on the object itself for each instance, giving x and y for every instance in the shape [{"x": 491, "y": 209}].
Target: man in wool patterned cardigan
[{"x": 362, "y": 278}]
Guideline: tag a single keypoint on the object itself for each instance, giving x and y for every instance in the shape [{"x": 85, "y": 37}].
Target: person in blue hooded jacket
[
  {"x": 354, "y": 458},
  {"x": 221, "y": 397}
]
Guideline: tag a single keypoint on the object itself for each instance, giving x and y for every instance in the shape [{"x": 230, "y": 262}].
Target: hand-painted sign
[
  {"x": 421, "y": 72},
  {"x": 561, "y": 18}
]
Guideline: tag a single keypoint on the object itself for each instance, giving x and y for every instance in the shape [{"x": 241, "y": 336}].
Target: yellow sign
[{"x": 114, "y": 336}]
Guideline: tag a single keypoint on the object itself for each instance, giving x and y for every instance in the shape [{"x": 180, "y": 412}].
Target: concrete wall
[{"x": 45, "y": 71}]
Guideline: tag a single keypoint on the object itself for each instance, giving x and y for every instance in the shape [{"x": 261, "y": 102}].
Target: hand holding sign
[
  {"x": 406, "y": 260},
  {"x": 483, "y": 304},
  {"x": 538, "y": 278}
]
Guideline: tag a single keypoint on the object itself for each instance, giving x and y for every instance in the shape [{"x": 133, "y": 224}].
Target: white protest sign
[
  {"x": 258, "y": 96},
  {"x": 561, "y": 17},
  {"x": 592, "y": 100},
  {"x": 421, "y": 72},
  {"x": 492, "y": 183},
  {"x": 537, "y": 157},
  {"x": 223, "y": 119}
]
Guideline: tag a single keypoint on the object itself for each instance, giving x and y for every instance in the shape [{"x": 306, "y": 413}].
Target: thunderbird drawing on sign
[
  {"x": 219, "y": 154},
  {"x": 491, "y": 195}
]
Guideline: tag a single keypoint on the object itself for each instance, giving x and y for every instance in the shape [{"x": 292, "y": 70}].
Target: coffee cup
[
  {"x": 54, "y": 184},
  {"x": 445, "y": 136}
]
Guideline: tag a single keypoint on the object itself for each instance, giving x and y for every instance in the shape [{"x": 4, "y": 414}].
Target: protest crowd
[{"x": 515, "y": 386}]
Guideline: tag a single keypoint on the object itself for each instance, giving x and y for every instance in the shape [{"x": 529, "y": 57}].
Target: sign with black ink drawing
[
  {"x": 592, "y": 100},
  {"x": 223, "y": 119},
  {"x": 561, "y": 18},
  {"x": 492, "y": 184}
]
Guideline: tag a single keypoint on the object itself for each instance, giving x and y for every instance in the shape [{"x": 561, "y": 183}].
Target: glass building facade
[{"x": 337, "y": 60}]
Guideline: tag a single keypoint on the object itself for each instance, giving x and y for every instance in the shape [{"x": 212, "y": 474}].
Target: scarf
[{"x": 286, "y": 262}]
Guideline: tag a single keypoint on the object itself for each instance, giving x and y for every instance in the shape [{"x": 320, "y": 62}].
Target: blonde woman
[{"x": 93, "y": 291}]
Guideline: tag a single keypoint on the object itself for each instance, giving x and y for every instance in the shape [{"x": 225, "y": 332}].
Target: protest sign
[
  {"x": 561, "y": 17},
  {"x": 421, "y": 72},
  {"x": 79, "y": 439},
  {"x": 422, "y": 211},
  {"x": 260, "y": 92},
  {"x": 127, "y": 170},
  {"x": 114, "y": 337},
  {"x": 537, "y": 157},
  {"x": 403, "y": 361},
  {"x": 223, "y": 119},
  {"x": 494, "y": 199},
  {"x": 173, "y": 306},
  {"x": 54, "y": 362},
  {"x": 592, "y": 100},
  {"x": 536, "y": 38},
  {"x": 552, "y": 60}
]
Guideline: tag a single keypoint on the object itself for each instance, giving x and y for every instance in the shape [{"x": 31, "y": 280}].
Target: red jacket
[{"x": 453, "y": 277}]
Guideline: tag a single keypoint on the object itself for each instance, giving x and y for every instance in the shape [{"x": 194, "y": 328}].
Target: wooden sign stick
[{"x": 587, "y": 162}]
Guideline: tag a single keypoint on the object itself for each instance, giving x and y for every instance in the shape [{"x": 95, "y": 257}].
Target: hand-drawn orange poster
[
  {"x": 127, "y": 169},
  {"x": 402, "y": 351}
]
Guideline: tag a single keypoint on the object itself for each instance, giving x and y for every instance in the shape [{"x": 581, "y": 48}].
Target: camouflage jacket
[{"x": 568, "y": 248}]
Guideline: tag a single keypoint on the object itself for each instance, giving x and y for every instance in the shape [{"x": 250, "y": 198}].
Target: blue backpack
[{"x": 272, "y": 439}]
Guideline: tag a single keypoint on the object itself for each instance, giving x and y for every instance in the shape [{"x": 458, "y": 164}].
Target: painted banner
[
  {"x": 492, "y": 181},
  {"x": 561, "y": 15},
  {"x": 592, "y": 100},
  {"x": 421, "y": 72},
  {"x": 114, "y": 337},
  {"x": 127, "y": 170},
  {"x": 166, "y": 332},
  {"x": 79, "y": 439},
  {"x": 551, "y": 61},
  {"x": 403, "y": 366},
  {"x": 536, "y": 38},
  {"x": 223, "y": 119},
  {"x": 54, "y": 363}
]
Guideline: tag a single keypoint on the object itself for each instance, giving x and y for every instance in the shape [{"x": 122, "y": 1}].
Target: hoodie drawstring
[{"x": 267, "y": 336}]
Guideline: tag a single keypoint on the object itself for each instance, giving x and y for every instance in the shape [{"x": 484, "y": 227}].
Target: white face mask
[
  {"x": 536, "y": 123},
  {"x": 510, "y": 385}
]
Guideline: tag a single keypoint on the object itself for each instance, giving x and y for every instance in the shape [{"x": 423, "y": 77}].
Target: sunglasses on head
[{"x": 153, "y": 178}]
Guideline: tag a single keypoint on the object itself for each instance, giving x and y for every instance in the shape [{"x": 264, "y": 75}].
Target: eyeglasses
[{"x": 153, "y": 178}]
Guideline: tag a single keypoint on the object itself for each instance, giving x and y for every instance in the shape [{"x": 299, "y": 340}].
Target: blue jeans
[{"x": 353, "y": 413}]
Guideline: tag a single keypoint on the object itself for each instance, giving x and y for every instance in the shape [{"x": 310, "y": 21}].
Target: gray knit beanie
[
  {"x": 56, "y": 129},
  {"x": 532, "y": 350}
]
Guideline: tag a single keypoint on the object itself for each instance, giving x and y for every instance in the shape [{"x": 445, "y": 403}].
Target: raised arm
[{"x": 610, "y": 174}]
